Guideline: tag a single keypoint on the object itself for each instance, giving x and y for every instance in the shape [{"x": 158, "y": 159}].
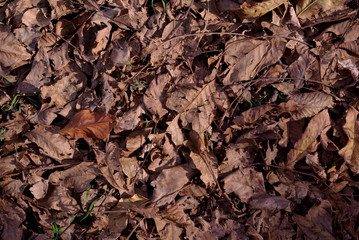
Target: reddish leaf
[{"x": 87, "y": 124}]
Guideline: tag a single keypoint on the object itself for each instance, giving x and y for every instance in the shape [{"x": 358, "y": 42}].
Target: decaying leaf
[
  {"x": 254, "y": 59},
  {"x": 350, "y": 152},
  {"x": 308, "y": 141},
  {"x": 87, "y": 124},
  {"x": 309, "y": 104},
  {"x": 308, "y": 8},
  {"x": 12, "y": 53},
  {"x": 252, "y": 9},
  {"x": 11, "y": 217},
  {"x": 51, "y": 143},
  {"x": 195, "y": 106},
  {"x": 245, "y": 183},
  {"x": 169, "y": 183},
  {"x": 78, "y": 177}
]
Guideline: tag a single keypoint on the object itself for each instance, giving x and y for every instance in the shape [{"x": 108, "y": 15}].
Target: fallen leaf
[
  {"x": 169, "y": 183},
  {"x": 77, "y": 177},
  {"x": 309, "y": 104},
  {"x": 270, "y": 203},
  {"x": 252, "y": 9},
  {"x": 245, "y": 183},
  {"x": 87, "y": 124},
  {"x": 308, "y": 141},
  {"x": 308, "y": 8},
  {"x": 12, "y": 53},
  {"x": 350, "y": 152},
  {"x": 11, "y": 218},
  {"x": 51, "y": 143}
]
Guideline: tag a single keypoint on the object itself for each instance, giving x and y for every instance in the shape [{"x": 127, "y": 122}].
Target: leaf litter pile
[{"x": 179, "y": 119}]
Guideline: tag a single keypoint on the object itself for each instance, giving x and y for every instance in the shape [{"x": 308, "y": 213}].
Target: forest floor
[{"x": 179, "y": 119}]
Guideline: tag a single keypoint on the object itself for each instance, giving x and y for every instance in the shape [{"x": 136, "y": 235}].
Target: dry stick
[{"x": 134, "y": 229}]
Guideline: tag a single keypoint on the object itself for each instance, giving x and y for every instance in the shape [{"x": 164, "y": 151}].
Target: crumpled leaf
[
  {"x": 308, "y": 8},
  {"x": 168, "y": 183},
  {"x": 12, "y": 53},
  {"x": 51, "y": 143},
  {"x": 253, "y": 58},
  {"x": 11, "y": 217},
  {"x": 60, "y": 199},
  {"x": 270, "y": 203},
  {"x": 245, "y": 183},
  {"x": 195, "y": 107},
  {"x": 110, "y": 165},
  {"x": 319, "y": 124},
  {"x": 87, "y": 124},
  {"x": 154, "y": 96},
  {"x": 253, "y": 114},
  {"x": 252, "y": 9},
  {"x": 312, "y": 230},
  {"x": 78, "y": 177},
  {"x": 350, "y": 152},
  {"x": 308, "y": 104},
  {"x": 39, "y": 189}
]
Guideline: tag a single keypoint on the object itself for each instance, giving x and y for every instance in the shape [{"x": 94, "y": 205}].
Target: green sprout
[
  {"x": 211, "y": 51},
  {"x": 139, "y": 85},
  {"x": 260, "y": 99},
  {"x": 3, "y": 131},
  {"x": 14, "y": 101},
  {"x": 7, "y": 79},
  {"x": 163, "y": 5},
  {"x": 56, "y": 229},
  {"x": 147, "y": 122},
  {"x": 90, "y": 209},
  {"x": 282, "y": 95}
]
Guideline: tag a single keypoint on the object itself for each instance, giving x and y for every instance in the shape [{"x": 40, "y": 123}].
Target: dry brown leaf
[
  {"x": 307, "y": 8},
  {"x": 78, "y": 177},
  {"x": 252, "y": 9},
  {"x": 311, "y": 230},
  {"x": 209, "y": 173},
  {"x": 7, "y": 165},
  {"x": 60, "y": 199},
  {"x": 254, "y": 60},
  {"x": 308, "y": 142},
  {"x": 270, "y": 203},
  {"x": 129, "y": 119},
  {"x": 39, "y": 189},
  {"x": 309, "y": 104},
  {"x": 87, "y": 124},
  {"x": 245, "y": 183},
  {"x": 154, "y": 97},
  {"x": 195, "y": 107},
  {"x": 253, "y": 114},
  {"x": 299, "y": 67},
  {"x": 350, "y": 152},
  {"x": 12, "y": 53},
  {"x": 11, "y": 218},
  {"x": 169, "y": 183},
  {"x": 110, "y": 166},
  {"x": 51, "y": 143}
]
